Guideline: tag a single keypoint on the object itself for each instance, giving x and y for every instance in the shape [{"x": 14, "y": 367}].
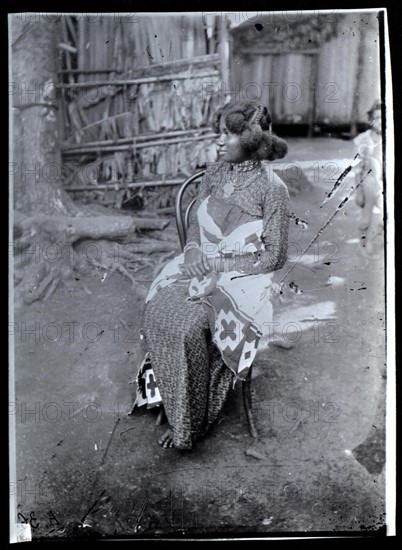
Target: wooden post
[
  {"x": 81, "y": 47},
  {"x": 359, "y": 74},
  {"x": 313, "y": 108},
  {"x": 224, "y": 53}
]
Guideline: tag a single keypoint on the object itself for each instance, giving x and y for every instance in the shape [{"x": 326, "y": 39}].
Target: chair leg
[{"x": 248, "y": 405}]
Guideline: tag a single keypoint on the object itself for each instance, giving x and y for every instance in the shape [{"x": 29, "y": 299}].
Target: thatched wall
[
  {"x": 309, "y": 69},
  {"x": 136, "y": 100}
]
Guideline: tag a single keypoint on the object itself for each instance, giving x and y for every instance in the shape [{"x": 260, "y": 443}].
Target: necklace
[
  {"x": 237, "y": 182},
  {"x": 244, "y": 166}
]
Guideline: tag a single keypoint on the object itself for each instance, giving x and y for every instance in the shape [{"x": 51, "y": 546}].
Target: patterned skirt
[{"x": 191, "y": 376}]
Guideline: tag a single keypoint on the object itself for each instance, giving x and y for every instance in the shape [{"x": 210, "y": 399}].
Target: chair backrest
[{"x": 182, "y": 217}]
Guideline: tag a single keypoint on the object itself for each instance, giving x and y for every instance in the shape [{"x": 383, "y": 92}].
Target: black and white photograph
[{"x": 201, "y": 280}]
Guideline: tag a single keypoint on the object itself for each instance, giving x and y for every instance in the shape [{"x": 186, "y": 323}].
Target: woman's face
[{"x": 229, "y": 146}]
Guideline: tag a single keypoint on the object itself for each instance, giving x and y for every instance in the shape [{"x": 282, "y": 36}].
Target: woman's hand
[{"x": 195, "y": 263}]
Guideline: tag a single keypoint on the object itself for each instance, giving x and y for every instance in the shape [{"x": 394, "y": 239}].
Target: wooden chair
[{"x": 182, "y": 221}]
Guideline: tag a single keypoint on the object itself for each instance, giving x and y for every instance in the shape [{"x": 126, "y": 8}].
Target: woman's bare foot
[{"x": 167, "y": 439}]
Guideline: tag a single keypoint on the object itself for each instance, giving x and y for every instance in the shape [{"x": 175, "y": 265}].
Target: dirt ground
[{"x": 85, "y": 468}]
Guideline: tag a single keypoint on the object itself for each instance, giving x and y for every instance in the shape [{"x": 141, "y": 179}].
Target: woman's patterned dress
[{"x": 189, "y": 328}]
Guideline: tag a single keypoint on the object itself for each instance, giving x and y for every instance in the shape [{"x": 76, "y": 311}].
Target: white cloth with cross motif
[{"x": 238, "y": 305}]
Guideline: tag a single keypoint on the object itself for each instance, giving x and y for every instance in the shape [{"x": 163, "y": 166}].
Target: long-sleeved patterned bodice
[{"x": 261, "y": 195}]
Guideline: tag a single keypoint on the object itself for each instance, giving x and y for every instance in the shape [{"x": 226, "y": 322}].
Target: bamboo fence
[{"x": 137, "y": 100}]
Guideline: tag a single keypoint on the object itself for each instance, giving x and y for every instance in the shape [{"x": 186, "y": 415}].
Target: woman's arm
[{"x": 274, "y": 236}]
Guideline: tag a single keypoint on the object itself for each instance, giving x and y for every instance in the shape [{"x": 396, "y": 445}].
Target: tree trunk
[
  {"x": 36, "y": 167},
  {"x": 44, "y": 214}
]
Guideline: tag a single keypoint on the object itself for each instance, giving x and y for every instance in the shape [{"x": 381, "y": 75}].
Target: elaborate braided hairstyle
[{"x": 253, "y": 123}]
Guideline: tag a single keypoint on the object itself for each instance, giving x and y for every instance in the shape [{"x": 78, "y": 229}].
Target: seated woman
[{"x": 208, "y": 308}]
